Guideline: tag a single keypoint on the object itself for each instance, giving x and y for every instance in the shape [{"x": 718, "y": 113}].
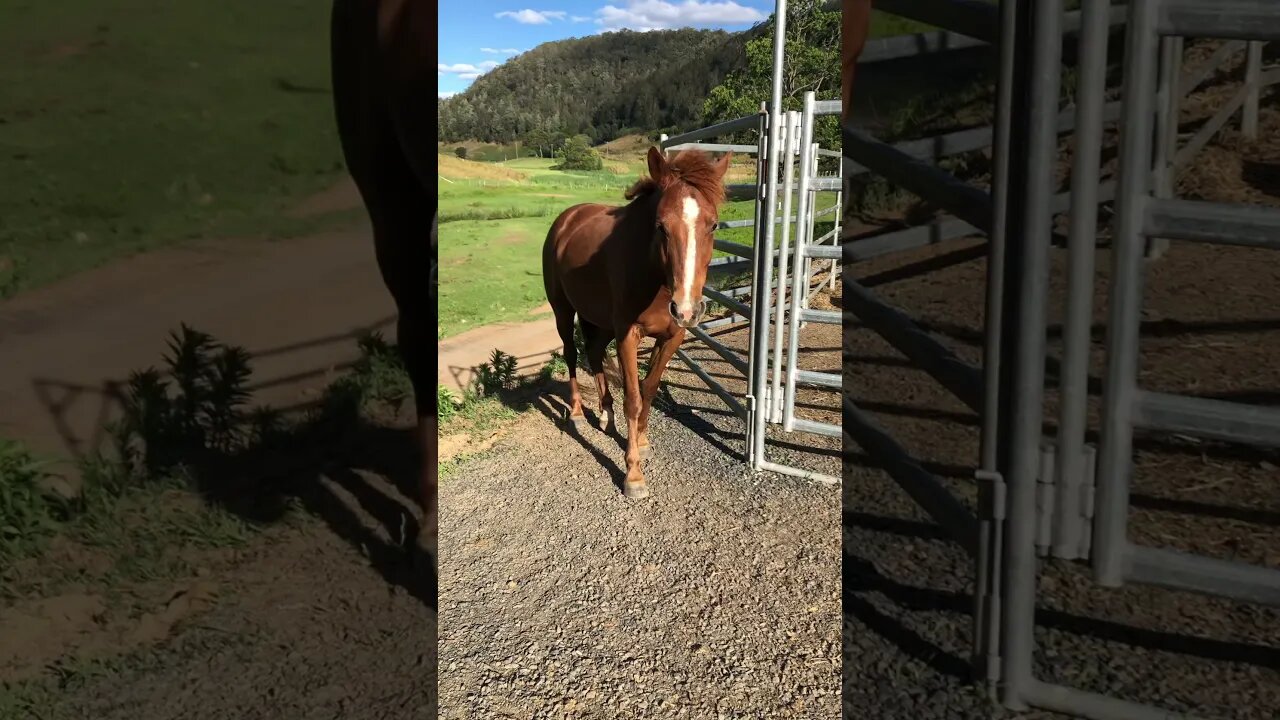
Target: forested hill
[{"x": 600, "y": 86}]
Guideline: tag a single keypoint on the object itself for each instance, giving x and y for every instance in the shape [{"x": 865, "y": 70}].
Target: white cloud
[
  {"x": 579, "y": 19},
  {"x": 661, "y": 15},
  {"x": 532, "y": 17},
  {"x": 500, "y": 51},
  {"x": 443, "y": 94},
  {"x": 466, "y": 68},
  {"x": 466, "y": 71}
]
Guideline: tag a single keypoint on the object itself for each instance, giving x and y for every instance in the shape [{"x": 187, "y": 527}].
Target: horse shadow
[
  {"x": 556, "y": 409},
  {"x": 706, "y": 421},
  {"x": 550, "y": 397}
]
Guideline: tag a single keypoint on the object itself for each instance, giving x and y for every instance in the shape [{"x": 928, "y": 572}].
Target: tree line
[{"x": 609, "y": 85}]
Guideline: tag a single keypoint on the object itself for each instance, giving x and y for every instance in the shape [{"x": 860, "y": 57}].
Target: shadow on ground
[{"x": 355, "y": 470}]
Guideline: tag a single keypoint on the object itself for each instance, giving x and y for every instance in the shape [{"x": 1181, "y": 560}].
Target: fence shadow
[
  {"x": 867, "y": 577},
  {"x": 61, "y": 400},
  {"x": 526, "y": 366},
  {"x": 356, "y": 474},
  {"x": 336, "y": 473}
]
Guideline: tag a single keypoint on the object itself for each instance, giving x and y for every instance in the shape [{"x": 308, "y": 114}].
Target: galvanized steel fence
[{"x": 1058, "y": 497}]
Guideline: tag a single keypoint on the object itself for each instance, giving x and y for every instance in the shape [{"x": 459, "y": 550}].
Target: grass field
[
  {"x": 127, "y": 125},
  {"x": 491, "y": 235}
]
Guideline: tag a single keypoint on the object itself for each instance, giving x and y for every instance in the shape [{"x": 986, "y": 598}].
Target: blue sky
[{"x": 479, "y": 35}]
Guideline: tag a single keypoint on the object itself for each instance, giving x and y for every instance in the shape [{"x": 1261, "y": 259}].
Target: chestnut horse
[
  {"x": 383, "y": 100},
  {"x": 632, "y": 272}
]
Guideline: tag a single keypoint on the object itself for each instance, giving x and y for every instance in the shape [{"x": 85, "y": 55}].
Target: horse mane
[{"x": 692, "y": 167}]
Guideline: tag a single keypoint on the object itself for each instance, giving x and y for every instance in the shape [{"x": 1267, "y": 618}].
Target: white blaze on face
[{"x": 684, "y": 291}]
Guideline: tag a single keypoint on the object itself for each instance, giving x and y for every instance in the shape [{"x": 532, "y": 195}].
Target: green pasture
[
  {"x": 491, "y": 236},
  {"x": 127, "y": 125}
]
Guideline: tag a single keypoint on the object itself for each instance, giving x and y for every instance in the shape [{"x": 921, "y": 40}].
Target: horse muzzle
[{"x": 689, "y": 318}]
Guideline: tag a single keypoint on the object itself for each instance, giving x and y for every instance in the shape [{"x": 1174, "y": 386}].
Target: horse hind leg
[
  {"x": 564, "y": 326},
  {"x": 597, "y": 345}
]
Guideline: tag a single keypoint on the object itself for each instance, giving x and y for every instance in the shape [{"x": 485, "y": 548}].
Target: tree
[
  {"x": 539, "y": 139},
  {"x": 461, "y": 152},
  {"x": 558, "y": 139},
  {"x": 593, "y": 85},
  {"x": 578, "y": 154},
  {"x": 813, "y": 64}
]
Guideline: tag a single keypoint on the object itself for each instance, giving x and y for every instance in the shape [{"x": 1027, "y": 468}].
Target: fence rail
[
  {"x": 940, "y": 41},
  {"x": 923, "y": 178}
]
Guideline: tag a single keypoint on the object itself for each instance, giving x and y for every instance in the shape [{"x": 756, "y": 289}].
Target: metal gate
[
  {"x": 785, "y": 193},
  {"x": 1145, "y": 212},
  {"x": 1037, "y": 497}
]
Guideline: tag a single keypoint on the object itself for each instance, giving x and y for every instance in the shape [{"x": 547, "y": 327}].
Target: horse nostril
[{"x": 675, "y": 313}]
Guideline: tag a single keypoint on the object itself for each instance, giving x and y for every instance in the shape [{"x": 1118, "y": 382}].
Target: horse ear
[
  {"x": 722, "y": 166},
  {"x": 657, "y": 163}
]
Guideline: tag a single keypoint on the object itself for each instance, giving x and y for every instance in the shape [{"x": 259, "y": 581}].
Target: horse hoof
[
  {"x": 645, "y": 451},
  {"x": 577, "y": 420},
  {"x": 636, "y": 490}
]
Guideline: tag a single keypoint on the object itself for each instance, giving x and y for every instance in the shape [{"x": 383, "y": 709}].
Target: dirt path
[
  {"x": 303, "y": 626},
  {"x": 296, "y": 305},
  {"x": 531, "y": 342}
]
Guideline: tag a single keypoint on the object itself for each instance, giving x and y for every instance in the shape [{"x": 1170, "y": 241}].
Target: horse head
[{"x": 690, "y": 190}]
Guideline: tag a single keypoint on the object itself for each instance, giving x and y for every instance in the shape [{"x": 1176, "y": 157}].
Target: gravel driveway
[{"x": 717, "y": 597}]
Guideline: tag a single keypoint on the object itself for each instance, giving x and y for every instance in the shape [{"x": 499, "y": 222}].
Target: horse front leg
[
  {"x": 628, "y": 345},
  {"x": 662, "y": 354}
]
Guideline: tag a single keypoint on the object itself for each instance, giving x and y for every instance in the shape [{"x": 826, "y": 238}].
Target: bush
[
  {"x": 498, "y": 374},
  {"x": 577, "y": 154},
  {"x": 461, "y": 152},
  {"x": 446, "y": 402},
  {"x": 188, "y": 414}
]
